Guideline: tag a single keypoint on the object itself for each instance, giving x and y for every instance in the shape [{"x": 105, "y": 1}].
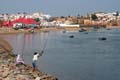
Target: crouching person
[{"x": 19, "y": 60}]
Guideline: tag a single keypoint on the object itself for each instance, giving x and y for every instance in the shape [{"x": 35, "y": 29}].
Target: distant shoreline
[
  {"x": 5, "y": 30},
  {"x": 13, "y": 31}
]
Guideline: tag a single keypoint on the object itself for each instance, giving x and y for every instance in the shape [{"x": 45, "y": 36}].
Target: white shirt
[{"x": 35, "y": 57}]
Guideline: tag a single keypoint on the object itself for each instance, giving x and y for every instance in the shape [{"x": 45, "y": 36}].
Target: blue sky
[{"x": 59, "y": 7}]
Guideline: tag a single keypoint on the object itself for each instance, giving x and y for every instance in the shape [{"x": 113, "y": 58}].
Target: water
[{"x": 83, "y": 57}]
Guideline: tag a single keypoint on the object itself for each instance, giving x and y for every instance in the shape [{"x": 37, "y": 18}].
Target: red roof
[
  {"x": 7, "y": 23},
  {"x": 25, "y": 21},
  {"x": 20, "y": 20}
]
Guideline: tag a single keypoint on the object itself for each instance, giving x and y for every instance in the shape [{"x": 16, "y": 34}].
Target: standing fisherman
[{"x": 35, "y": 58}]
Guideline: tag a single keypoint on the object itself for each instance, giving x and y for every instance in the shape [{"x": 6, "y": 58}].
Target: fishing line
[
  {"x": 23, "y": 46},
  {"x": 46, "y": 34}
]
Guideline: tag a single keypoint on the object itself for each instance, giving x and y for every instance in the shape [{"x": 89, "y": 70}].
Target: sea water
[{"x": 83, "y": 57}]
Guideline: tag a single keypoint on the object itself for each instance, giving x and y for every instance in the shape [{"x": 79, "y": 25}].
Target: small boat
[
  {"x": 86, "y": 33},
  {"x": 108, "y": 29},
  {"x": 82, "y": 30},
  {"x": 102, "y": 38},
  {"x": 64, "y": 31},
  {"x": 71, "y": 36}
]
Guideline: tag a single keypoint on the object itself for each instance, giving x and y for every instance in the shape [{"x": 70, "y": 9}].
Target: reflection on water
[{"x": 83, "y": 57}]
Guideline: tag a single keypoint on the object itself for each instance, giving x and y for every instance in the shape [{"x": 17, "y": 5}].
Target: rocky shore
[{"x": 10, "y": 71}]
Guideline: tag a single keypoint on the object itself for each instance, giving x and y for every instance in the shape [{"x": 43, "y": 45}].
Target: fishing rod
[
  {"x": 23, "y": 46},
  {"x": 44, "y": 44}
]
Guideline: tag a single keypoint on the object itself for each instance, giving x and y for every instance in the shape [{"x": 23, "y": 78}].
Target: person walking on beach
[{"x": 35, "y": 58}]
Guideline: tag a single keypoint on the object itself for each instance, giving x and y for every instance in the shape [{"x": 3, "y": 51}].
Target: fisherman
[
  {"x": 35, "y": 58},
  {"x": 19, "y": 60}
]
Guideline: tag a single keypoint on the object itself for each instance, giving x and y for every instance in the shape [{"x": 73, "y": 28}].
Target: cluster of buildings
[
  {"x": 11, "y": 18},
  {"x": 107, "y": 16},
  {"x": 108, "y": 19},
  {"x": 95, "y": 19},
  {"x": 99, "y": 19}
]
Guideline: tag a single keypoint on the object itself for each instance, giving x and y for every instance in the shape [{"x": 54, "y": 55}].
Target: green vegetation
[
  {"x": 94, "y": 17},
  {"x": 37, "y": 20}
]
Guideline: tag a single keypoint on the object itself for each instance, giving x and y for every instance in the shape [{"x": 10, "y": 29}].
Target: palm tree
[{"x": 94, "y": 17}]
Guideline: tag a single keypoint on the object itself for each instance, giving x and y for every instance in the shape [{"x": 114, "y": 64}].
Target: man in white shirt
[{"x": 35, "y": 58}]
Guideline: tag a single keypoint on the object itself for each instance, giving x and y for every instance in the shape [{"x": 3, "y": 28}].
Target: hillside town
[{"x": 98, "y": 19}]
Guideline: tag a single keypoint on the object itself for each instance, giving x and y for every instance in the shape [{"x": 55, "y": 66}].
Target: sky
[{"x": 59, "y": 7}]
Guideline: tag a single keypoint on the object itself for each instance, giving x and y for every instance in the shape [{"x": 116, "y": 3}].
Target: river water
[{"x": 83, "y": 57}]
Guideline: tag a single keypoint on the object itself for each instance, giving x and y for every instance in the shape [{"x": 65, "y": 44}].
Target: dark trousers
[{"x": 34, "y": 65}]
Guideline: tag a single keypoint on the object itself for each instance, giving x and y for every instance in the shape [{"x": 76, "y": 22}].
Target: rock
[
  {"x": 1, "y": 74},
  {"x": 35, "y": 75},
  {"x": 11, "y": 71},
  {"x": 1, "y": 78},
  {"x": 5, "y": 74},
  {"x": 7, "y": 78},
  {"x": 16, "y": 72},
  {"x": 23, "y": 77},
  {"x": 37, "y": 78},
  {"x": 10, "y": 78},
  {"x": 20, "y": 77}
]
